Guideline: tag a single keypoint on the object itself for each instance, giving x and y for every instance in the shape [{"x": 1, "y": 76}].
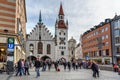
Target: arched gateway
[
  {"x": 45, "y": 58},
  {"x": 32, "y": 58}
]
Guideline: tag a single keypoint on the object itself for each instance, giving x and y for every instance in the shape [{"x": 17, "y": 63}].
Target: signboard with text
[
  {"x": 10, "y": 44},
  {"x": 10, "y": 53}
]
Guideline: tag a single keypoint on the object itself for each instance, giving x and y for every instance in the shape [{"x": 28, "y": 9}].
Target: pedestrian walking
[
  {"x": 119, "y": 71},
  {"x": 69, "y": 65},
  {"x": 19, "y": 67},
  {"x": 73, "y": 65},
  {"x": 115, "y": 67},
  {"x": 23, "y": 67},
  {"x": 44, "y": 66},
  {"x": 76, "y": 65},
  {"x": 95, "y": 69},
  {"x": 49, "y": 64},
  {"x": 37, "y": 67},
  {"x": 56, "y": 65},
  {"x": 27, "y": 65},
  {"x": 64, "y": 64}
]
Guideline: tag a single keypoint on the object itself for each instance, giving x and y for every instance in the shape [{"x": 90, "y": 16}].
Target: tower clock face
[{"x": 62, "y": 40}]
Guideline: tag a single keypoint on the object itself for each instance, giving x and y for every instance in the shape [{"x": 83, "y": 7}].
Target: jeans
[
  {"x": 44, "y": 68},
  {"x": 37, "y": 72},
  {"x": 19, "y": 71}
]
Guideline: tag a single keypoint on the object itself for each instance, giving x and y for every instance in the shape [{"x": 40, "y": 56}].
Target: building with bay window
[{"x": 115, "y": 29}]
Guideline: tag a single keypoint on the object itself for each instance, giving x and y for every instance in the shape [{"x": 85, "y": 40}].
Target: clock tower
[{"x": 61, "y": 36}]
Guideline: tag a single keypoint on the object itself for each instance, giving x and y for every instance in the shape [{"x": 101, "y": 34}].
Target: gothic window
[
  {"x": 40, "y": 48},
  {"x": 48, "y": 49},
  {"x": 59, "y": 33},
  {"x": 62, "y": 53},
  {"x": 31, "y": 48}
]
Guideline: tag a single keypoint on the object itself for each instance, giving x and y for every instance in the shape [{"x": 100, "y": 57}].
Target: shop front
[{"x": 3, "y": 51}]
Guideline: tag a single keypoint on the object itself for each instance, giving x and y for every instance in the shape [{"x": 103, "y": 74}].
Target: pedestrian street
[{"x": 80, "y": 74}]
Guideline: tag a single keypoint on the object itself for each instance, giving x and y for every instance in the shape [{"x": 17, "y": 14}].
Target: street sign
[
  {"x": 10, "y": 46},
  {"x": 10, "y": 53},
  {"x": 11, "y": 40},
  {"x": 11, "y": 43},
  {"x": 18, "y": 44}
]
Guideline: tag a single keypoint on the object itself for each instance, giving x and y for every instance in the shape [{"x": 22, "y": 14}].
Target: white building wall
[
  {"x": 62, "y": 45},
  {"x": 45, "y": 39}
]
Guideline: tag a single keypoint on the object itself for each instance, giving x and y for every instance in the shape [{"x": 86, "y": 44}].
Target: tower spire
[
  {"x": 61, "y": 10},
  {"x": 40, "y": 17}
]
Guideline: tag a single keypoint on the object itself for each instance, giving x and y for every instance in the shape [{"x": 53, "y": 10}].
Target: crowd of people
[{"x": 24, "y": 65}]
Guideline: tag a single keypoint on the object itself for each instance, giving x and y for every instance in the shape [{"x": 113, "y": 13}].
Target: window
[
  {"x": 59, "y": 33},
  {"x": 107, "y": 52},
  {"x": 31, "y": 47},
  {"x": 100, "y": 53},
  {"x": 117, "y": 40},
  {"x": 96, "y": 33},
  {"x": 64, "y": 33},
  {"x": 106, "y": 36},
  {"x": 116, "y": 24},
  {"x": 64, "y": 47},
  {"x": 106, "y": 28},
  {"x": 3, "y": 54},
  {"x": 116, "y": 33},
  {"x": 103, "y": 30},
  {"x": 118, "y": 49},
  {"x": 102, "y": 37},
  {"x": 40, "y": 48},
  {"x": 62, "y": 53},
  {"x": 48, "y": 49},
  {"x": 106, "y": 43},
  {"x": 72, "y": 52}
]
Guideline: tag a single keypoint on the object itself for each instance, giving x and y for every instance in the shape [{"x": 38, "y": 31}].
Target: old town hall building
[{"x": 41, "y": 43}]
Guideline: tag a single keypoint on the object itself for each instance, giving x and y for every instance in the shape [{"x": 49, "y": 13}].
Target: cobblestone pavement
[{"x": 81, "y": 74}]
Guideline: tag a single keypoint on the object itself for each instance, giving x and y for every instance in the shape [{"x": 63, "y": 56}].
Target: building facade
[
  {"x": 115, "y": 29},
  {"x": 12, "y": 11},
  {"x": 40, "y": 43},
  {"x": 71, "y": 48},
  {"x": 96, "y": 43},
  {"x": 61, "y": 36},
  {"x": 78, "y": 52}
]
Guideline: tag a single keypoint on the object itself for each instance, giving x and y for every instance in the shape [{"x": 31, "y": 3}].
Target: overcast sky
[{"x": 81, "y": 14}]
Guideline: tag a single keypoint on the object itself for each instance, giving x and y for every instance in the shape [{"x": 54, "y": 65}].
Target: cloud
[{"x": 81, "y": 14}]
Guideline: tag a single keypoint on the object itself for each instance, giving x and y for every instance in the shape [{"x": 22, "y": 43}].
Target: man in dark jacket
[
  {"x": 95, "y": 69},
  {"x": 37, "y": 67},
  {"x": 19, "y": 66}
]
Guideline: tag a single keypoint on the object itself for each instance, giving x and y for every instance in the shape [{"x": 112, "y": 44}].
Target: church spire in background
[
  {"x": 40, "y": 17},
  {"x": 61, "y": 12}
]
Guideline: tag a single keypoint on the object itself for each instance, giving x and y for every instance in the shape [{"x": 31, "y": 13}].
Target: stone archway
[
  {"x": 43, "y": 58},
  {"x": 31, "y": 58}
]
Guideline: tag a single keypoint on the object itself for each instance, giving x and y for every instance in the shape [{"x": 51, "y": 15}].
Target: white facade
[
  {"x": 61, "y": 36},
  {"x": 40, "y": 34},
  {"x": 78, "y": 51},
  {"x": 71, "y": 48},
  {"x": 62, "y": 44}
]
